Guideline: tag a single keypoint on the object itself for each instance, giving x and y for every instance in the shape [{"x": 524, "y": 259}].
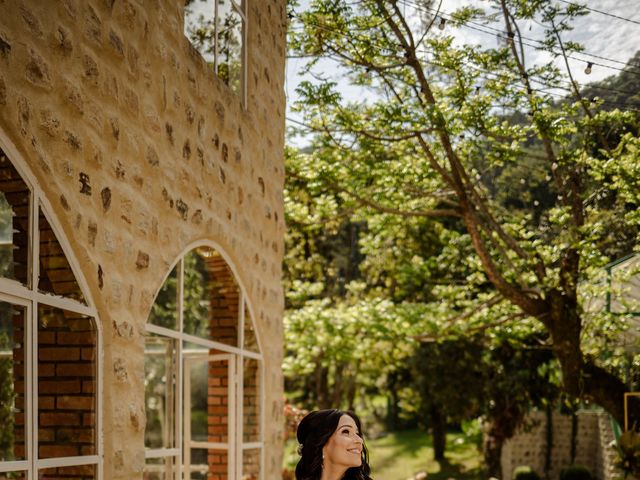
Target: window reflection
[
  {"x": 12, "y": 382},
  {"x": 160, "y": 374},
  {"x": 216, "y": 29},
  {"x": 66, "y": 383},
  {"x": 15, "y": 199}
]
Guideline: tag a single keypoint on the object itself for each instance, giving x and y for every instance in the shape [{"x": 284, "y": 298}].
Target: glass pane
[
  {"x": 207, "y": 464},
  {"x": 13, "y": 475},
  {"x": 198, "y": 466},
  {"x": 66, "y": 384},
  {"x": 12, "y": 382},
  {"x": 217, "y": 401},
  {"x": 160, "y": 391},
  {"x": 250, "y": 341},
  {"x": 199, "y": 400},
  {"x": 164, "y": 312},
  {"x": 251, "y": 401},
  {"x": 230, "y": 26},
  {"x": 162, "y": 468},
  {"x": 251, "y": 464},
  {"x": 80, "y": 472},
  {"x": 56, "y": 275},
  {"x": 199, "y": 27},
  {"x": 211, "y": 297},
  {"x": 15, "y": 198}
]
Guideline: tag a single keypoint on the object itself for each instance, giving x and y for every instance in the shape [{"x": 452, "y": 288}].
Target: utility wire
[
  {"x": 500, "y": 33},
  {"x": 503, "y": 76},
  {"x": 601, "y": 12}
]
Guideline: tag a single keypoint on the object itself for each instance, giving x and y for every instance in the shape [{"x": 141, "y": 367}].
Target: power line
[
  {"x": 630, "y": 108},
  {"x": 500, "y": 33},
  {"x": 601, "y": 12}
]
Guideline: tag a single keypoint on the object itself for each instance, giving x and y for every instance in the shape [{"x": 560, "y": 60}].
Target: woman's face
[{"x": 344, "y": 448}]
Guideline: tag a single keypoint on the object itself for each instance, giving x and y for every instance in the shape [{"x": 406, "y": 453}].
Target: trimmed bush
[
  {"x": 524, "y": 472},
  {"x": 576, "y": 472}
]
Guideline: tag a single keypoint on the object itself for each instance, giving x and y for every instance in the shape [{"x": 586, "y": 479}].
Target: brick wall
[{"x": 142, "y": 152}]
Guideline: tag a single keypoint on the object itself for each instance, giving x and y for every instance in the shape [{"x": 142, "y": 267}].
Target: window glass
[
  {"x": 56, "y": 275},
  {"x": 12, "y": 382},
  {"x": 66, "y": 384},
  {"x": 196, "y": 299},
  {"x": 15, "y": 198},
  {"x": 162, "y": 468},
  {"x": 230, "y": 26},
  {"x": 80, "y": 472},
  {"x": 251, "y": 401},
  {"x": 13, "y": 475},
  {"x": 164, "y": 311},
  {"x": 216, "y": 30},
  {"x": 159, "y": 382},
  {"x": 251, "y": 464},
  {"x": 250, "y": 341},
  {"x": 211, "y": 297},
  {"x": 199, "y": 26}
]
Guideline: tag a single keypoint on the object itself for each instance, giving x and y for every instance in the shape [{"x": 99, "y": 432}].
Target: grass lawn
[{"x": 401, "y": 455}]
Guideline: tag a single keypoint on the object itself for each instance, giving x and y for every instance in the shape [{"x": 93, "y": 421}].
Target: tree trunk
[
  {"x": 580, "y": 377},
  {"x": 392, "y": 403},
  {"x": 492, "y": 451},
  {"x": 438, "y": 432}
]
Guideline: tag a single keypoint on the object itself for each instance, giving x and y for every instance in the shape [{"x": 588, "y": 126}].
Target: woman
[{"x": 331, "y": 447}]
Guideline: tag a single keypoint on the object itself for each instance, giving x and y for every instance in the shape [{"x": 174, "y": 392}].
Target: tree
[{"x": 435, "y": 126}]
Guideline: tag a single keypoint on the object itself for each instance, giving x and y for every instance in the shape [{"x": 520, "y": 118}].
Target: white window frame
[
  {"x": 12, "y": 291},
  {"x": 239, "y": 354}
]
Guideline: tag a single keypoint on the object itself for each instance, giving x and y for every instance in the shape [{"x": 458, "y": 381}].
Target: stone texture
[
  {"x": 125, "y": 129},
  {"x": 593, "y": 437}
]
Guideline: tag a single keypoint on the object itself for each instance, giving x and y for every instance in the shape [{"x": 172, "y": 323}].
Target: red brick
[
  {"x": 89, "y": 353},
  {"x": 75, "y": 370},
  {"x": 76, "y": 338},
  {"x": 46, "y": 370},
  {"x": 75, "y": 403},
  {"x": 88, "y": 419},
  {"x": 46, "y": 403},
  {"x": 69, "y": 354},
  {"x": 52, "y": 451},
  {"x": 60, "y": 386},
  {"x": 59, "y": 419},
  {"x": 46, "y": 338}
]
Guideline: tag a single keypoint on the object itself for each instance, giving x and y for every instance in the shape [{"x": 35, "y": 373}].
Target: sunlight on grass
[{"x": 401, "y": 455}]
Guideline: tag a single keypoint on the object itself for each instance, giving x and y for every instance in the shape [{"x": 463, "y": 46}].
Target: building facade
[{"x": 141, "y": 239}]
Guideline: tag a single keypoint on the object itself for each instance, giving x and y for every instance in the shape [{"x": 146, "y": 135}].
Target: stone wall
[
  {"x": 141, "y": 151},
  {"x": 593, "y": 437}
]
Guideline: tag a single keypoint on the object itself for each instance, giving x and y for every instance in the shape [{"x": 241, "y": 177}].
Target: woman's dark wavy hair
[{"x": 313, "y": 433}]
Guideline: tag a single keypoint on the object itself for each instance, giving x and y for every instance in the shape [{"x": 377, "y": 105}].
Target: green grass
[{"x": 400, "y": 455}]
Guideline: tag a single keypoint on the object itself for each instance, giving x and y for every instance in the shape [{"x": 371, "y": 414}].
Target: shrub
[
  {"x": 575, "y": 472},
  {"x": 524, "y": 472}
]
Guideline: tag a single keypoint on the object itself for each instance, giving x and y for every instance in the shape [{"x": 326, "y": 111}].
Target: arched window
[
  {"x": 49, "y": 343},
  {"x": 203, "y": 373}
]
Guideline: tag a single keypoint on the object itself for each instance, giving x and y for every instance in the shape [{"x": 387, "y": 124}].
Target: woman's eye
[{"x": 345, "y": 431}]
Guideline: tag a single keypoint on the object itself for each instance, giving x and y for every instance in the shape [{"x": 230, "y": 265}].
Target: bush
[
  {"x": 575, "y": 472},
  {"x": 524, "y": 472}
]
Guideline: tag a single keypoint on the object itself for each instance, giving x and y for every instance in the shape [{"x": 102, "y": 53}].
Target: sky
[{"x": 600, "y": 35}]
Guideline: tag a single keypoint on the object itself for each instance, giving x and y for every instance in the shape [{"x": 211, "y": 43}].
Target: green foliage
[
  {"x": 575, "y": 472},
  {"x": 7, "y": 397},
  {"x": 476, "y": 194},
  {"x": 524, "y": 472},
  {"x": 628, "y": 454}
]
